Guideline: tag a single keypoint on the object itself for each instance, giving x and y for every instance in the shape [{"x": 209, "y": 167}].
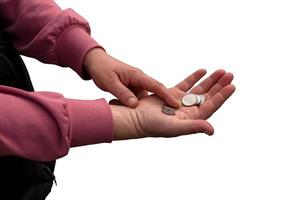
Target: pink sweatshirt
[{"x": 44, "y": 125}]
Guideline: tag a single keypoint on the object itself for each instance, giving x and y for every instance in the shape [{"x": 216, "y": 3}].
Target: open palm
[{"x": 151, "y": 122}]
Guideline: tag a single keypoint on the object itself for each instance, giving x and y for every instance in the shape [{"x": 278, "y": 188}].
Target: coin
[
  {"x": 202, "y": 97},
  {"x": 193, "y": 99},
  {"x": 189, "y": 99},
  {"x": 199, "y": 99},
  {"x": 168, "y": 110}
]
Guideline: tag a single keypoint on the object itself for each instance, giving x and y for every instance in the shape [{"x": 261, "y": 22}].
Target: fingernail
[
  {"x": 132, "y": 101},
  {"x": 208, "y": 133}
]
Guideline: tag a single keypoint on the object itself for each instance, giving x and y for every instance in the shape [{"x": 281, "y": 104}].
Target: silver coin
[
  {"x": 168, "y": 110},
  {"x": 189, "y": 99},
  {"x": 199, "y": 99},
  {"x": 202, "y": 97}
]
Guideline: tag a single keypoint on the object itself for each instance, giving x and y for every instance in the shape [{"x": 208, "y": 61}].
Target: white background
[{"x": 254, "y": 153}]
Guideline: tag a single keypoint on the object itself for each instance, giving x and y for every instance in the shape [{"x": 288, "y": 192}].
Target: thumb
[
  {"x": 124, "y": 94},
  {"x": 185, "y": 127}
]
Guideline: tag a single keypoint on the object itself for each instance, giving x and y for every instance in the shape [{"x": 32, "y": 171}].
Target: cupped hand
[
  {"x": 125, "y": 82},
  {"x": 147, "y": 120}
]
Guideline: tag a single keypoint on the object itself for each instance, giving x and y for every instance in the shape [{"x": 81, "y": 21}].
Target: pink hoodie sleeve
[
  {"x": 44, "y": 125},
  {"x": 42, "y": 30}
]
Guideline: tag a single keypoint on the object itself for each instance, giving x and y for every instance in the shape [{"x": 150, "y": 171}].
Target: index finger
[{"x": 160, "y": 90}]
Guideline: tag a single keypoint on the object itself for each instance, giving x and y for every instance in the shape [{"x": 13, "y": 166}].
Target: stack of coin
[
  {"x": 188, "y": 100},
  {"x": 192, "y": 99},
  {"x": 168, "y": 110}
]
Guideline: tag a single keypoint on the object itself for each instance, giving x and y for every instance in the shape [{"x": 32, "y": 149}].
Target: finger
[
  {"x": 124, "y": 94},
  {"x": 191, "y": 80},
  {"x": 159, "y": 89},
  {"x": 205, "y": 85},
  {"x": 214, "y": 103},
  {"x": 185, "y": 127},
  {"x": 142, "y": 94},
  {"x": 225, "y": 80}
]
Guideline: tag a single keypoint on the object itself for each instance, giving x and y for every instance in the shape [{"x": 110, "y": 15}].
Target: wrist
[
  {"x": 92, "y": 58},
  {"x": 125, "y": 123}
]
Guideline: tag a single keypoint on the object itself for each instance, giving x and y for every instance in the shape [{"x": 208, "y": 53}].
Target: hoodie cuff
[
  {"x": 90, "y": 122},
  {"x": 72, "y": 47}
]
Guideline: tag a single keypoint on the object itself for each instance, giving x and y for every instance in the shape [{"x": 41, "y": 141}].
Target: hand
[
  {"x": 125, "y": 82},
  {"x": 147, "y": 120}
]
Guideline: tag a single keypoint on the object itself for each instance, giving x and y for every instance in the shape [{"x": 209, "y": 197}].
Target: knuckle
[
  {"x": 136, "y": 72},
  {"x": 124, "y": 94},
  {"x": 133, "y": 70},
  {"x": 193, "y": 79},
  {"x": 111, "y": 76}
]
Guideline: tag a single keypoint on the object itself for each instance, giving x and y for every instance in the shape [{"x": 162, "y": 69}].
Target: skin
[
  {"x": 125, "y": 82},
  {"x": 147, "y": 120}
]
